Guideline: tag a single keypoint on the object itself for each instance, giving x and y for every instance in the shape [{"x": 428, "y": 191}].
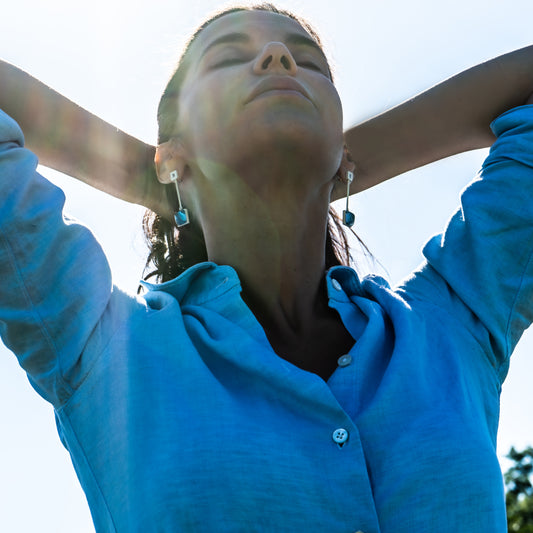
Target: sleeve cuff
[
  {"x": 9, "y": 130},
  {"x": 515, "y": 117},
  {"x": 514, "y": 131}
]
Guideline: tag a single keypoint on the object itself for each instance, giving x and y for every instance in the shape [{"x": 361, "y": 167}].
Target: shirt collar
[
  {"x": 342, "y": 282},
  {"x": 198, "y": 284},
  {"x": 206, "y": 281}
]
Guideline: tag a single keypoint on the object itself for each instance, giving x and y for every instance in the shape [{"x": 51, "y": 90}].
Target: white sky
[{"x": 113, "y": 57}]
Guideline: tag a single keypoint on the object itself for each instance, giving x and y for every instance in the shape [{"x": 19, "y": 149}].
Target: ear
[
  {"x": 170, "y": 156},
  {"x": 347, "y": 164}
]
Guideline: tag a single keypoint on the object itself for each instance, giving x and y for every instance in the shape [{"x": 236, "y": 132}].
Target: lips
[{"x": 277, "y": 83}]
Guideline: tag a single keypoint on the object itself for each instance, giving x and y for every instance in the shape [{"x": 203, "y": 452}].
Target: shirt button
[
  {"x": 344, "y": 360},
  {"x": 336, "y": 285},
  {"x": 340, "y": 436}
]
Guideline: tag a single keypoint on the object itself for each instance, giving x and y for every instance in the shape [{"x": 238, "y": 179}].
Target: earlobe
[
  {"x": 169, "y": 157},
  {"x": 347, "y": 165},
  {"x": 341, "y": 185}
]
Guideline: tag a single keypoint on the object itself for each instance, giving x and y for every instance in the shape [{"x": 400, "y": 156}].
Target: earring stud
[
  {"x": 182, "y": 215},
  {"x": 348, "y": 218}
]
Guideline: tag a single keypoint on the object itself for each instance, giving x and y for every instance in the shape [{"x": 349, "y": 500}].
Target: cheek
[
  {"x": 333, "y": 110},
  {"x": 206, "y": 115},
  {"x": 332, "y": 117}
]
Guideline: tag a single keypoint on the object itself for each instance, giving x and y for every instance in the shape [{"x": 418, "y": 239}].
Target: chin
[
  {"x": 299, "y": 150},
  {"x": 289, "y": 131}
]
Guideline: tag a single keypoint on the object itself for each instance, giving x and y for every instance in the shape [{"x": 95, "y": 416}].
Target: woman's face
[{"x": 258, "y": 90}]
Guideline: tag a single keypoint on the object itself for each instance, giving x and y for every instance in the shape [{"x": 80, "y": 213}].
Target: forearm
[
  {"x": 452, "y": 117},
  {"x": 68, "y": 138}
]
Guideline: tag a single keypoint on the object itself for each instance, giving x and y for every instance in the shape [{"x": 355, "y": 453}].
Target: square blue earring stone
[
  {"x": 181, "y": 217},
  {"x": 348, "y": 218}
]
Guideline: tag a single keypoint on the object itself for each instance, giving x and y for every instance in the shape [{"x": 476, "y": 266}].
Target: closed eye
[
  {"x": 310, "y": 65},
  {"x": 229, "y": 62}
]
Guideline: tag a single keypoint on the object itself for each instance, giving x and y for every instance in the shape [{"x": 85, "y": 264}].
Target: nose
[{"x": 275, "y": 57}]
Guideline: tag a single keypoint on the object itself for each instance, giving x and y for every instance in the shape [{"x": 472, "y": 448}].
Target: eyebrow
[{"x": 236, "y": 37}]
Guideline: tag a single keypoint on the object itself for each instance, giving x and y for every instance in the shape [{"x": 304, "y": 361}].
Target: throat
[
  {"x": 308, "y": 334},
  {"x": 318, "y": 351}
]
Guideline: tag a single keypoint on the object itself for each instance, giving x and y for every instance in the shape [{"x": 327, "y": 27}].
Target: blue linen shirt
[{"x": 179, "y": 416}]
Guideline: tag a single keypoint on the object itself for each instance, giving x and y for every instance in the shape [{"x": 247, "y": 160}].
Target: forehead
[{"x": 256, "y": 24}]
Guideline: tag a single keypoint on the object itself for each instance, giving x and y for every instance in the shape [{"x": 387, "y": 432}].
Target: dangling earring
[
  {"x": 182, "y": 215},
  {"x": 348, "y": 218}
]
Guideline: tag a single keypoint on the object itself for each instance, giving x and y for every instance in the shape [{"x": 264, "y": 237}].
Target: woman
[{"x": 192, "y": 408}]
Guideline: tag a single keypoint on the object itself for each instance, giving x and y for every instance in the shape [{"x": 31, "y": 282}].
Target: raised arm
[
  {"x": 68, "y": 138},
  {"x": 450, "y": 118}
]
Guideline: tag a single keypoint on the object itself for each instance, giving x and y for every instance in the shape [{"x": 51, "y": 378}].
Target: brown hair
[{"x": 172, "y": 251}]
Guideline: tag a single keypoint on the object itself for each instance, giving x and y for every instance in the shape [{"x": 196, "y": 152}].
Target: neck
[{"x": 277, "y": 246}]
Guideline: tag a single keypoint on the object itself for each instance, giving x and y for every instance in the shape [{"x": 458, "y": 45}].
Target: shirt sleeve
[
  {"x": 482, "y": 262},
  {"x": 54, "y": 278}
]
